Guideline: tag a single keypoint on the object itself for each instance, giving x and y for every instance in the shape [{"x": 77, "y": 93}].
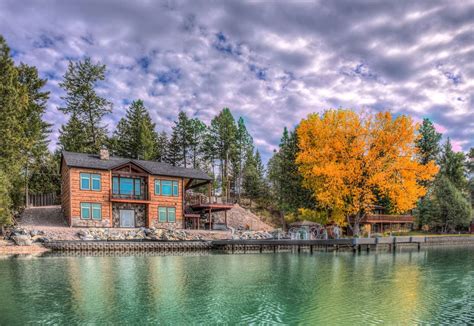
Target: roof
[{"x": 93, "y": 161}]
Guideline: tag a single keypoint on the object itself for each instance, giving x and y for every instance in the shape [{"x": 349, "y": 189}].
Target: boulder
[{"x": 22, "y": 240}]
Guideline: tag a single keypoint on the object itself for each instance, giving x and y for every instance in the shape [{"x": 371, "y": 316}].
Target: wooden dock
[
  {"x": 354, "y": 244},
  {"x": 232, "y": 246}
]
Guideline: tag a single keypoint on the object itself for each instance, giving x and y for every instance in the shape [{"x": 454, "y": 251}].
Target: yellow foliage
[{"x": 345, "y": 159}]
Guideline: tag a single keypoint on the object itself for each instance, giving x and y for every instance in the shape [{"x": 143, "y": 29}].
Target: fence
[{"x": 37, "y": 200}]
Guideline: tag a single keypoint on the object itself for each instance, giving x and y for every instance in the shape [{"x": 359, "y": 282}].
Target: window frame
[
  {"x": 90, "y": 177},
  {"x": 174, "y": 184},
  {"x": 167, "y": 210}
]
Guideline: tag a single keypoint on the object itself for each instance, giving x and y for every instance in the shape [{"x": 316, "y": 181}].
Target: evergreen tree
[
  {"x": 14, "y": 107},
  {"x": 197, "y": 134},
  {"x": 428, "y": 142},
  {"x": 453, "y": 167},
  {"x": 162, "y": 145},
  {"x": 454, "y": 209},
  {"x": 5, "y": 201},
  {"x": 83, "y": 102},
  {"x": 72, "y": 137},
  {"x": 222, "y": 139},
  {"x": 243, "y": 146},
  {"x": 182, "y": 138},
  {"x": 174, "y": 154},
  {"x": 285, "y": 179},
  {"x": 135, "y": 136}
]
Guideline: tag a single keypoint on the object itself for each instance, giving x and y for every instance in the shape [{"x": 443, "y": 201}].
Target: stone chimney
[{"x": 104, "y": 154}]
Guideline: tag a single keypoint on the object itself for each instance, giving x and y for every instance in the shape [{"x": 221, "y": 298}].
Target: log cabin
[{"x": 116, "y": 192}]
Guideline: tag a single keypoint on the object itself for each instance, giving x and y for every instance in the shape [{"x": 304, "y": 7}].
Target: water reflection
[{"x": 432, "y": 286}]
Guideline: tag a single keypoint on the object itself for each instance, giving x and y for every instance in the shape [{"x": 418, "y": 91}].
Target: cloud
[{"x": 272, "y": 63}]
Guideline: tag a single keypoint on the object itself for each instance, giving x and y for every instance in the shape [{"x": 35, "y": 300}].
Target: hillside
[{"x": 239, "y": 218}]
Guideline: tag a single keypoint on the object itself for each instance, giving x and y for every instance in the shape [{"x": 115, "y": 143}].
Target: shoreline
[{"x": 8, "y": 248}]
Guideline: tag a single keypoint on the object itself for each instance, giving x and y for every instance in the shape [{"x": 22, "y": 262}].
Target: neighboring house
[
  {"x": 106, "y": 191},
  {"x": 380, "y": 222}
]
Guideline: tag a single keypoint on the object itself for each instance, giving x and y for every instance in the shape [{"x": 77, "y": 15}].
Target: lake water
[{"x": 432, "y": 286}]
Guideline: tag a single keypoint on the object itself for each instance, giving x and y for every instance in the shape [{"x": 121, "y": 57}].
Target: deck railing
[
  {"x": 197, "y": 198},
  {"x": 37, "y": 200},
  {"x": 389, "y": 218}
]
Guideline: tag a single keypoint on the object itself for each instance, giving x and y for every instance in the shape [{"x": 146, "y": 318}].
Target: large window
[
  {"x": 166, "y": 188},
  {"x": 130, "y": 187},
  {"x": 166, "y": 214},
  {"x": 90, "y": 181},
  {"x": 91, "y": 211}
]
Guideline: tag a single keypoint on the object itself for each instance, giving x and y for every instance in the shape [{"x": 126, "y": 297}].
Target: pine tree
[
  {"x": 5, "y": 201},
  {"x": 83, "y": 102},
  {"x": 14, "y": 107},
  {"x": 162, "y": 145},
  {"x": 243, "y": 145},
  {"x": 453, "y": 166},
  {"x": 72, "y": 137},
  {"x": 428, "y": 142},
  {"x": 196, "y": 142},
  {"x": 222, "y": 139},
  {"x": 135, "y": 136},
  {"x": 286, "y": 181}
]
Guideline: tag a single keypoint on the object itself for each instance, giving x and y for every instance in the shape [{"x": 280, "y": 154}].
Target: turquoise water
[{"x": 434, "y": 286}]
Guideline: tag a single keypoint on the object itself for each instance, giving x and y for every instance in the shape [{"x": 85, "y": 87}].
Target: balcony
[
  {"x": 386, "y": 218},
  {"x": 126, "y": 189}
]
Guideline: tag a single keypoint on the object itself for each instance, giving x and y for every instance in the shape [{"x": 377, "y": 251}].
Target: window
[
  {"x": 171, "y": 214},
  {"x": 90, "y": 181},
  {"x": 166, "y": 188},
  {"x": 91, "y": 211},
  {"x": 175, "y": 188},
  {"x": 157, "y": 187},
  {"x": 166, "y": 214},
  {"x": 162, "y": 214},
  {"x": 126, "y": 186}
]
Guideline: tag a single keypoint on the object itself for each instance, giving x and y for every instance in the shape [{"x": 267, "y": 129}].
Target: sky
[{"x": 270, "y": 62}]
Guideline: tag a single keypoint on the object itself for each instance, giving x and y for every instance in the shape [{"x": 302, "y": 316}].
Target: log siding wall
[{"x": 72, "y": 196}]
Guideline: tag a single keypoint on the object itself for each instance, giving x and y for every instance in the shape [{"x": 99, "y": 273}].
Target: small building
[
  {"x": 115, "y": 192},
  {"x": 379, "y": 221}
]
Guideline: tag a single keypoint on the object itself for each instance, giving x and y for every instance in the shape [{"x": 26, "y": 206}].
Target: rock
[
  {"x": 22, "y": 240},
  {"x": 81, "y": 233}
]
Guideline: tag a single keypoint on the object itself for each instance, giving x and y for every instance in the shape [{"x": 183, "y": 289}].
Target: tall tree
[
  {"x": 222, "y": 135},
  {"x": 197, "y": 134},
  {"x": 135, "y": 135},
  {"x": 428, "y": 142},
  {"x": 453, "y": 166},
  {"x": 243, "y": 146},
  {"x": 453, "y": 208},
  {"x": 347, "y": 161},
  {"x": 162, "y": 145},
  {"x": 83, "y": 102},
  {"x": 285, "y": 179},
  {"x": 72, "y": 137},
  {"x": 14, "y": 104}
]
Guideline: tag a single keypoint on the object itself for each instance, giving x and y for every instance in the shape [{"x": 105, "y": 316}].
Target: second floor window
[
  {"x": 166, "y": 188},
  {"x": 90, "y": 181},
  {"x": 126, "y": 186}
]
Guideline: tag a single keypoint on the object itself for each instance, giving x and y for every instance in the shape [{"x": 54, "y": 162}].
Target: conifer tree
[
  {"x": 243, "y": 146},
  {"x": 453, "y": 166},
  {"x": 72, "y": 136},
  {"x": 135, "y": 136},
  {"x": 162, "y": 145},
  {"x": 83, "y": 102},
  {"x": 428, "y": 142},
  {"x": 222, "y": 139},
  {"x": 197, "y": 132}
]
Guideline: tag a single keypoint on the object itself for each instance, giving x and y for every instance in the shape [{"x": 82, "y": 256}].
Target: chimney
[{"x": 104, "y": 154}]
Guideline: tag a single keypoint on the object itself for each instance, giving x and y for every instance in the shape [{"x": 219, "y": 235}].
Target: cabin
[
  {"x": 115, "y": 192},
  {"x": 379, "y": 221}
]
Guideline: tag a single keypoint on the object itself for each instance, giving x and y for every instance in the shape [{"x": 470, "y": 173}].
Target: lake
[{"x": 431, "y": 286}]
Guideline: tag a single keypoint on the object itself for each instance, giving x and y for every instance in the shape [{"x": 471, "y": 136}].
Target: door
[{"x": 127, "y": 218}]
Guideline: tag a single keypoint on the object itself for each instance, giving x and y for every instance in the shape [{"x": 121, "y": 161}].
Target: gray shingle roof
[{"x": 92, "y": 161}]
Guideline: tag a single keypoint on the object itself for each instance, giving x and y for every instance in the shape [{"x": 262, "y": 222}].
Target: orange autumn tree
[{"x": 350, "y": 161}]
